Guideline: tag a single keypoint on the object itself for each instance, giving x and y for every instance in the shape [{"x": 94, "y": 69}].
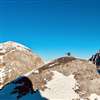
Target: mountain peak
[
  {"x": 15, "y": 60},
  {"x": 13, "y": 45}
]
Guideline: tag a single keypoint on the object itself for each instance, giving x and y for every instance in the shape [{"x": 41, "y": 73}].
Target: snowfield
[
  {"x": 60, "y": 88},
  {"x": 94, "y": 97}
]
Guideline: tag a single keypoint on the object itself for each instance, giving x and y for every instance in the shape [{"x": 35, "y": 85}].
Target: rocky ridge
[{"x": 84, "y": 72}]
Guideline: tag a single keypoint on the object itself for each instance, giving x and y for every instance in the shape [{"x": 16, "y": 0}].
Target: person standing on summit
[{"x": 97, "y": 60}]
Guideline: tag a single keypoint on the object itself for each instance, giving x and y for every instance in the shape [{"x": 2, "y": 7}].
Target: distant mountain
[{"x": 15, "y": 60}]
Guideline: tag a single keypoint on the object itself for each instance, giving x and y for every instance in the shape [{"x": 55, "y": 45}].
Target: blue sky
[{"x": 52, "y": 27}]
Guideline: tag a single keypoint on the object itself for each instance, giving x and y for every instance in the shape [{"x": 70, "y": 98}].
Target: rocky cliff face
[{"x": 16, "y": 60}]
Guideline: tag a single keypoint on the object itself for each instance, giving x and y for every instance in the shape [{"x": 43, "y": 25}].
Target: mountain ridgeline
[{"x": 17, "y": 60}]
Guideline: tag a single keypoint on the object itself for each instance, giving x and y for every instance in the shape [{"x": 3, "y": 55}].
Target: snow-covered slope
[
  {"x": 60, "y": 87},
  {"x": 94, "y": 97}
]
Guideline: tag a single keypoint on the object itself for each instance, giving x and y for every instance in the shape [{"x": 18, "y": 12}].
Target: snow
[
  {"x": 29, "y": 73},
  {"x": 33, "y": 71},
  {"x": 18, "y": 45},
  {"x": 2, "y": 75},
  {"x": 51, "y": 65},
  {"x": 60, "y": 87},
  {"x": 2, "y": 49},
  {"x": 94, "y": 97}
]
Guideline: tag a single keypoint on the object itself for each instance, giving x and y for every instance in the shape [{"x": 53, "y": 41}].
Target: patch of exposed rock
[
  {"x": 16, "y": 60},
  {"x": 39, "y": 80}
]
